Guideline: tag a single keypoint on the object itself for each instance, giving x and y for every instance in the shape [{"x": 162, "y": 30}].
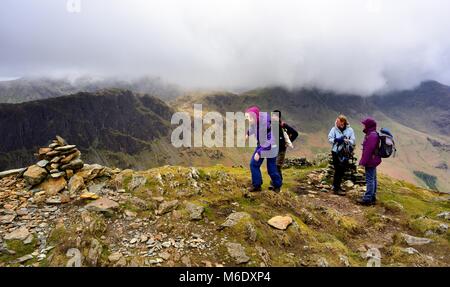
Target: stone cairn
[
  {"x": 297, "y": 162},
  {"x": 57, "y": 160},
  {"x": 352, "y": 173}
]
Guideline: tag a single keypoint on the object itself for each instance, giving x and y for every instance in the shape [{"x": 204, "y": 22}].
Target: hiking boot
[
  {"x": 271, "y": 187},
  {"x": 276, "y": 189},
  {"x": 339, "y": 192},
  {"x": 366, "y": 202},
  {"x": 254, "y": 189}
]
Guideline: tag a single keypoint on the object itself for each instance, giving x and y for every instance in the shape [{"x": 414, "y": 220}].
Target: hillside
[
  {"x": 185, "y": 216},
  {"x": 120, "y": 128},
  {"x": 422, "y": 142},
  {"x": 110, "y": 126}
]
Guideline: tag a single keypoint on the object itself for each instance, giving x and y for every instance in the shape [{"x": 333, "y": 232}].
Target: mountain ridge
[{"x": 312, "y": 112}]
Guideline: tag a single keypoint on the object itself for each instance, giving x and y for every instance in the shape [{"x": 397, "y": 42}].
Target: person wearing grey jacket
[{"x": 339, "y": 136}]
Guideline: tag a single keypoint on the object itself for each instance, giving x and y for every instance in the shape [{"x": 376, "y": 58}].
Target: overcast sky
[{"x": 347, "y": 46}]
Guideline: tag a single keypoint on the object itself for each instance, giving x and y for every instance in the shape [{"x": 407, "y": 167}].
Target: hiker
[
  {"x": 342, "y": 139},
  {"x": 370, "y": 160},
  {"x": 263, "y": 144},
  {"x": 284, "y": 130}
]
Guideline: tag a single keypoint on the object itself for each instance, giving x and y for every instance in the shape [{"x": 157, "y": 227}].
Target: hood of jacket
[
  {"x": 255, "y": 110},
  {"x": 370, "y": 125}
]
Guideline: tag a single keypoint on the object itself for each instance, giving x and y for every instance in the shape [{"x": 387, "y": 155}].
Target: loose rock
[
  {"x": 195, "y": 211},
  {"x": 103, "y": 205},
  {"x": 35, "y": 175},
  {"x": 19, "y": 234},
  {"x": 280, "y": 222},
  {"x": 412, "y": 240},
  {"x": 237, "y": 252}
]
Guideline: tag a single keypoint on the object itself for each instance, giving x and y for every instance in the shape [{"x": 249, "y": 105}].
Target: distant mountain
[
  {"x": 29, "y": 89},
  {"x": 426, "y": 108},
  {"x": 121, "y": 128},
  {"x": 114, "y": 121},
  {"x": 419, "y": 118}
]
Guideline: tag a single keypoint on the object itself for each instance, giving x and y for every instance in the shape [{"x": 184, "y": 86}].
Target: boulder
[
  {"x": 10, "y": 172},
  {"x": 94, "y": 252},
  {"x": 91, "y": 171},
  {"x": 65, "y": 148},
  {"x": 136, "y": 182},
  {"x": 234, "y": 218},
  {"x": 71, "y": 157},
  {"x": 53, "y": 185},
  {"x": 76, "y": 183},
  {"x": 348, "y": 184},
  {"x": 412, "y": 240},
  {"x": 54, "y": 166},
  {"x": 89, "y": 195},
  {"x": 102, "y": 205},
  {"x": 42, "y": 163},
  {"x": 322, "y": 262},
  {"x": 114, "y": 257},
  {"x": 69, "y": 173},
  {"x": 237, "y": 252},
  {"x": 75, "y": 257},
  {"x": 55, "y": 159},
  {"x": 22, "y": 259},
  {"x": 52, "y": 153},
  {"x": 18, "y": 234},
  {"x": 167, "y": 206},
  {"x": 44, "y": 150},
  {"x": 74, "y": 164},
  {"x": 410, "y": 251},
  {"x": 280, "y": 222},
  {"x": 7, "y": 218},
  {"x": 444, "y": 215},
  {"x": 195, "y": 211},
  {"x": 35, "y": 175},
  {"x": 60, "y": 141},
  {"x": 57, "y": 174}
]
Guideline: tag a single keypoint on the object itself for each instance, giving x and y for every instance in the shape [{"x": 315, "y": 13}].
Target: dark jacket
[
  {"x": 292, "y": 133},
  {"x": 369, "y": 157}
]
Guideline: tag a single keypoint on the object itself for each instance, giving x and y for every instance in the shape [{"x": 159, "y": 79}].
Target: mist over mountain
[
  {"x": 35, "y": 88},
  {"x": 351, "y": 46}
]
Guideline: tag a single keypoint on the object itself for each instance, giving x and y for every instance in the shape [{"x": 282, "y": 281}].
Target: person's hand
[
  {"x": 256, "y": 157},
  {"x": 346, "y": 140},
  {"x": 339, "y": 140}
]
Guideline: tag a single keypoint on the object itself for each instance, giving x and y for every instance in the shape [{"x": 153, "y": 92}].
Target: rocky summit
[{"x": 61, "y": 211}]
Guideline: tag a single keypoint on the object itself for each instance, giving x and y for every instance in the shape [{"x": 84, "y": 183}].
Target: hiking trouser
[
  {"x": 255, "y": 168},
  {"x": 339, "y": 170},
  {"x": 371, "y": 184},
  {"x": 280, "y": 162}
]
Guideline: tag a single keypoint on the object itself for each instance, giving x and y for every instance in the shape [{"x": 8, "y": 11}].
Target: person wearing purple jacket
[
  {"x": 370, "y": 160},
  {"x": 263, "y": 150}
]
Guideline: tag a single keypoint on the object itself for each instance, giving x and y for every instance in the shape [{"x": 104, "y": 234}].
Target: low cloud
[{"x": 352, "y": 46}]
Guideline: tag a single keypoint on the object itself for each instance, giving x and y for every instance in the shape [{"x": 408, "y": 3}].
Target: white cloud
[{"x": 347, "y": 46}]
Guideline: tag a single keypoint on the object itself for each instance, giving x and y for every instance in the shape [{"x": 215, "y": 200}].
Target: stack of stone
[
  {"x": 296, "y": 162},
  {"x": 57, "y": 160},
  {"x": 351, "y": 172}
]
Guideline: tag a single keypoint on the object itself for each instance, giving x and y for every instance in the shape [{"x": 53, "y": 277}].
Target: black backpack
[
  {"x": 345, "y": 153},
  {"x": 387, "y": 144}
]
